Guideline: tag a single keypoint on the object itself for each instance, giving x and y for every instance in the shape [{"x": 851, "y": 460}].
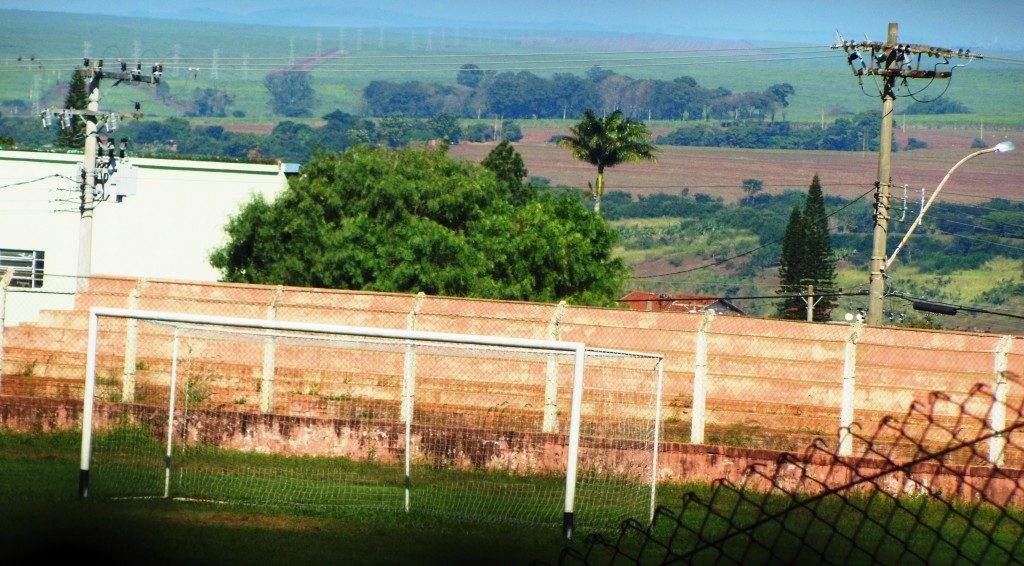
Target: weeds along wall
[{"x": 728, "y": 380}]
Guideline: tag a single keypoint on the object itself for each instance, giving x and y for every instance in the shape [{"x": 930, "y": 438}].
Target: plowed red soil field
[{"x": 721, "y": 171}]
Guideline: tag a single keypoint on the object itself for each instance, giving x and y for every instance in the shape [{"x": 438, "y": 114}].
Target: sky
[{"x": 979, "y": 25}]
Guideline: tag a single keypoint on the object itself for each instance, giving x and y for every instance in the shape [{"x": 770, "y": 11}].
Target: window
[{"x": 28, "y": 267}]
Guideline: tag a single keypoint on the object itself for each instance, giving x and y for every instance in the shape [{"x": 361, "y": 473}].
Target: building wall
[{"x": 166, "y": 230}]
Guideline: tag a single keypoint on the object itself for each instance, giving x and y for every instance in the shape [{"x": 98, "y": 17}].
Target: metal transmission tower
[
  {"x": 92, "y": 168},
  {"x": 894, "y": 63}
]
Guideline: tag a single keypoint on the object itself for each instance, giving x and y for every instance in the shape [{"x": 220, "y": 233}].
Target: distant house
[{"x": 644, "y": 301}]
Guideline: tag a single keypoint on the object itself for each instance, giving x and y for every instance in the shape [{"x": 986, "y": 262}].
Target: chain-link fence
[{"x": 922, "y": 491}]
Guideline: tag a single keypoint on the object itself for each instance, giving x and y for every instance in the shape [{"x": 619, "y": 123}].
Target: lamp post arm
[{"x": 927, "y": 205}]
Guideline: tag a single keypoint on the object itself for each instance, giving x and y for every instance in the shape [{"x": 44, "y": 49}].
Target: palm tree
[{"x": 606, "y": 142}]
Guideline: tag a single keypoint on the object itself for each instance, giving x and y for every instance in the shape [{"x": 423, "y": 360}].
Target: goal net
[{"x": 270, "y": 412}]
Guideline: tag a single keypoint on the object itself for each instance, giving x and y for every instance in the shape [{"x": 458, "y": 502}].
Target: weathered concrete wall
[
  {"x": 781, "y": 378},
  {"x": 528, "y": 453}
]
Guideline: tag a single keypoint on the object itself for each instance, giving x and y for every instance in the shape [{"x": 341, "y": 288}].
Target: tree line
[
  {"x": 478, "y": 93},
  {"x": 855, "y": 133}
]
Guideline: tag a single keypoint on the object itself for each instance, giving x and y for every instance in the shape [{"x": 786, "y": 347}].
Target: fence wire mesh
[{"x": 921, "y": 491}]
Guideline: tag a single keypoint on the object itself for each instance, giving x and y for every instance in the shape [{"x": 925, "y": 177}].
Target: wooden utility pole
[
  {"x": 882, "y": 181},
  {"x": 892, "y": 62}
]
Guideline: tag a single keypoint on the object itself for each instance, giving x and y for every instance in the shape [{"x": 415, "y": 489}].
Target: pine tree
[
  {"x": 77, "y": 99},
  {"x": 820, "y": 265},
  {"x": 791, "y": 267},
  {"x": 807, "y": 258}
]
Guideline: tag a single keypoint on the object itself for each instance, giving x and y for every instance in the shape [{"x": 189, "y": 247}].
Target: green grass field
[{"x": 41, "y": 516}]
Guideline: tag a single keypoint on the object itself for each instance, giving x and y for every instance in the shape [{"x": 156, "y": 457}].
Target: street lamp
[{"x": 875, "y": 304}]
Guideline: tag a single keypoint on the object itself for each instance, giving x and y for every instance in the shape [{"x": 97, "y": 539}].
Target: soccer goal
[{"x": 254, "y": 411}]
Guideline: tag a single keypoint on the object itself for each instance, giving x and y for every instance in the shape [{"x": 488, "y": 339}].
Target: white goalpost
[{"x": 275, "y": 412}]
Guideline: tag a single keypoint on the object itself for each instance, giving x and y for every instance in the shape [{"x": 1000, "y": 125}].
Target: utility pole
[
  {"x": 892, "y": 62},
  {"x": 94, "y": 72}
]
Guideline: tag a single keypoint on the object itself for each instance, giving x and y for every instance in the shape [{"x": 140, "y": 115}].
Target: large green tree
[
  {"x": 414, "y": 220},
  {"x": 607, "y": 142},
  {"x": 807, "y": 258},
  {"x": 77, "y": 98},
  {"x": 291, "y": 93}
]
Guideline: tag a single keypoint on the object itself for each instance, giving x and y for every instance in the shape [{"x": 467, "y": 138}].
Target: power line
[
  {"x": 977, "y": 196},
  {"x": 985, "y": 228},
  {"x": 37, "y": 180},
  {"x": 510, "y": 54},
  {"x": 981, "y": 240},
  {"x": 955, "y": 306},
  {"x": 345, "y": 65}
]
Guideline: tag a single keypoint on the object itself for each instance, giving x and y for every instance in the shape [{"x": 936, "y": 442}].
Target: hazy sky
[{"x": 994, "y": 25}]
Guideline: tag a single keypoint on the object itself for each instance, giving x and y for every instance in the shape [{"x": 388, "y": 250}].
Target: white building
[{"x": 166, "y": 229}]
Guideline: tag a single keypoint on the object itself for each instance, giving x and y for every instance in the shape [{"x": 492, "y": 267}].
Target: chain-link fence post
[
  {"x": 409, "y": 362},
  {"x": 551, "y": 384},
  {"x": 131, "y": 345},
  {"x": 5, "y": 281},
  {"x": 849, "y": 389},
  {"x": 700, "y": 380},
  {"x": 269, "y": 354},
  {"x": 997, "y": 444}
]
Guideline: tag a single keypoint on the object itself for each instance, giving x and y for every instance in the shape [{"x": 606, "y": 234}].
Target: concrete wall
[
  {"x": 771, "y": 383},
  {"x": 806, "y": 471}
]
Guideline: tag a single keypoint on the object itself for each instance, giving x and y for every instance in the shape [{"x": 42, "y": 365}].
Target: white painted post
[
  {"x": 657, "y": 439},
  {"x": 409, "y": 370},
  {"x": 5, "y": 281},
  {"x": 846, "y": 403},
  {"x": 409, "y": 394},
  {"x": 700, "y": 380},
  {"x": 997, "y": 444},
  {"x": 87, "y": 406},
  {"x": 131, "y": 345},
  {"x": 269, "y": 355},
  {"x": 170, "y": 415},
  {"x": 551, "y": 386},
  {"x": 568, "y": 517}
]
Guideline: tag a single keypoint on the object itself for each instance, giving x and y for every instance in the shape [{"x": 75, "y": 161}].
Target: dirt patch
[{"x": 262, "y": 129}]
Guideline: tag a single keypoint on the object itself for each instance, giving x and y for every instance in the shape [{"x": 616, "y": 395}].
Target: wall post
[
  {"x": 269, "y": 355},
  {"x": 846, "y": 404},
  {"x": 409, "y": 371},
  {"x": 131, "y": 345},
  {"x": 551, "y": 383},
  {"x": 700, "y": 380},
  {"x": 5, "y": 281},
  {"x": 1000, "y": 387}
]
